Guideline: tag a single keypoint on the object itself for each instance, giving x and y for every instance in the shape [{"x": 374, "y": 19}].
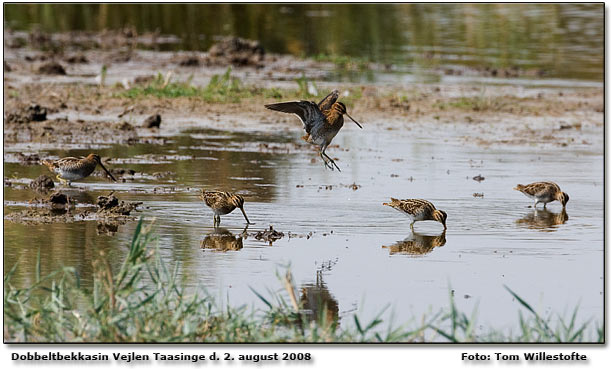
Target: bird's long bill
[
  {"x": 107, "y": 172},
  {"x": 245, "y": 217},
  {"x": 357, "y": 123}
]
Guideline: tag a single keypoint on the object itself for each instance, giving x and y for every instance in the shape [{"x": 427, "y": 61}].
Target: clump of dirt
[
  {"x": 479, "y": 178},
  {"x": 353, "y": 186},
  {"x": 154, "y": 121},
  {"x": 42, "y": 216},
  {"x": 124, "y": 126},
  {"x": 7, "y": 67},
  {"x": 110, "y": 206},
  {"x": 57, "y": 200},
  {"x": 52, "y": 67},
  {"x": 189, "y": 61},
  {"x": 27, "y": 159},
  {"x": 42, "y": 184},
  {"x": 236, "y": 51},
  {"x": 269, "y": 235},
  {"x": 77, "y": 59},
  {"x": 64, "y": 131},
  {"x": 33, "y": 113}
]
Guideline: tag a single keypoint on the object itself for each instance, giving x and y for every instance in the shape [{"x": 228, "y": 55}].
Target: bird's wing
[
  {"x": 416, "y": 206},
  {"x": 537, "y": 189},
  {"x": 216, "y": 199},
  {"x": 68, "y": 162},
  {"x": 328, "y": 101},
  {"x": 307, "y": 111}
]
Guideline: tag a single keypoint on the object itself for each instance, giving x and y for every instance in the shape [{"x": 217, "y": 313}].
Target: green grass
[
  {"x": 221, "y": 88},
  {"x": 226, "y": 88},
  {"x": 349, "y": 63},
  {"x": 145, "y": 302}
]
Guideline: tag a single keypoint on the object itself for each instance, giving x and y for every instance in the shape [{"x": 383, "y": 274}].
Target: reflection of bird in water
[
  {"x": 544, "y": 192},
  {"x": 70, "y": 168},
  {"x": 543, "y": 219},
  {"x": 417, "y": 210},
  {"x": 221, "y": 239},
  {"x": 321, "y": 121},
  {"x": 222, "y": 203},
  {"x": 317, "y": 302},
  {"x": 417, "y": 244}
]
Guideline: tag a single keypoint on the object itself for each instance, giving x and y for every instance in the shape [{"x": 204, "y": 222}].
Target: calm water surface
[
  {"x": 564, "y": 41},
  {"x": 361, "y": 255}
]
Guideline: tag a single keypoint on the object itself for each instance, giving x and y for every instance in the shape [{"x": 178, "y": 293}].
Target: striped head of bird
[
  {"x": 96, "y": 158},
  {"x": 440, "y": 216},
  {"x": 340, "y": 108},
  {"x": 238, "y": 202}
]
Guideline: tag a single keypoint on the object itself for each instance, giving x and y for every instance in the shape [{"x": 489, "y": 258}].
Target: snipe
[
  {"x": 321, "y": 121},
  {"x": 71, "y": 169},
  {"x": 418, "y": 210},
  {"x": 222, "y": 203},
  {"x": 544, "y": 192}
]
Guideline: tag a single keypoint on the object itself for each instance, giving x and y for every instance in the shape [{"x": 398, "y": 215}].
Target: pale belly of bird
[
  {"x": 324, "y": 134},
  {"x": 414, "y": 217},
  {"x": 223, "y": 210},
  {"x": 545, "y": 198},
  {"x": 72, "y": 175}
]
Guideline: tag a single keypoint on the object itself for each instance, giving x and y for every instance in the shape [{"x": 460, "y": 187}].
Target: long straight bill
[
  {"x": 357, "y": 123},
  {"x": 245, "y": 217},
  {"x": 107, "y": 172}
]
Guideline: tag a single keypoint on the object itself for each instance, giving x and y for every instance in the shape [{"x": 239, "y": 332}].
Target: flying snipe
[
  {"x": 70, "y": 169},
  {"x": 321, "y": 121},
  {"x": 544, "y": 192},
  {"x": 222, "y": 203},
  {"x": 418, "y": 210}
]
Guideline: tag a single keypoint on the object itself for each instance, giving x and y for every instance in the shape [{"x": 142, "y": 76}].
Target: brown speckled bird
[
  {"x": 70, "y": 168},
  {"x": 543, "y": 192},
  {"x": 418, "y": 210},
  {"x": 321, "y": 121},
  {"x": 222, "y": 203}
]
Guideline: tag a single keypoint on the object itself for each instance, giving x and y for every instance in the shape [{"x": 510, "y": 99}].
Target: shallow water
[
  {"x": 562, "y": 41},
  {"x": 361, "y": 255}
]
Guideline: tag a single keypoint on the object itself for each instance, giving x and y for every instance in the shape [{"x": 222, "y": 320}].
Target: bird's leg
[
  {"x": 544, "y": 205},
  {"x": 327, "y": 165},
  {"x": 331, "y": 160},
  {"x": 62, "y": 181}
]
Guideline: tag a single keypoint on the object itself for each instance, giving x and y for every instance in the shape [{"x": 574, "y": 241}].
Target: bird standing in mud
[
  {"x": 544, "y": 192},
  {"x": 418, "y": 210},
  {"x": 222, "y": 203},
  {"x": 70, "y": 169},
  {"x": 321, "y": 121}
]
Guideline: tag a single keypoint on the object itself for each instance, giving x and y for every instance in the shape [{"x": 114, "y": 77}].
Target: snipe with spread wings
[{"x": 321, "y": 121}]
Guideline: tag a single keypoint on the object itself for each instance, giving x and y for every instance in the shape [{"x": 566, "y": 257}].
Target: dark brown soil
[
  {"x": 51, "y": 68},
  {"x": 42, "y": 184},
  {"x": 236, "y": 51}
]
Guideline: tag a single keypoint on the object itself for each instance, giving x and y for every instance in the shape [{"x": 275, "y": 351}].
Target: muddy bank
[
  {"x": 503, "y": 115},
  {"x": 73, "y": 87},
  {"x": 59, "y": 207}
]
